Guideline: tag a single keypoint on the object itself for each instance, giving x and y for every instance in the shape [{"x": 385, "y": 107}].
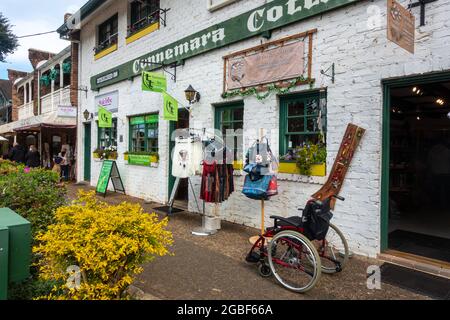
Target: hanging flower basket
[
  {"x": 67, "y": 67},
  {"x": 54, "y": 73},
  {"x": 45, "y": 80}
]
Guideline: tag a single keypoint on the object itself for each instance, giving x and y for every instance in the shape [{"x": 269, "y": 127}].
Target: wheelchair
[{"x": 298, "y": 249}]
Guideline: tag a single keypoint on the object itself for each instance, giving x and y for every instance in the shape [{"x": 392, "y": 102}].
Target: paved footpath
[{"x": 214, "y": 267}]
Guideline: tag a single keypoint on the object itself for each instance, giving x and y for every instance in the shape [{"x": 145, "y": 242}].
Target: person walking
[
  {"x": 17, "y": 153},
  {"x": 64, "y": 165},
  {"x": 33, "y": 158}
]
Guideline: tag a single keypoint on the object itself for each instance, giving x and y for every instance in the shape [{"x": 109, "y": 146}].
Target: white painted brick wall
[{"x": 363, "y": 57}]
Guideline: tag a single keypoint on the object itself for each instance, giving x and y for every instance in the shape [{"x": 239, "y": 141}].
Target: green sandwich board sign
[
  {"x": 270, "y": 16},
  {"x": 153, "y": 81},
  {"x": 109, "y": 172},
  {"x": 170, "y": 108}
]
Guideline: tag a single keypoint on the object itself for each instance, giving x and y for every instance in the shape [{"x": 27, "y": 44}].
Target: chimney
[
  {"x": 13, "y": 75},
  {"x": 35, "y": 56}
]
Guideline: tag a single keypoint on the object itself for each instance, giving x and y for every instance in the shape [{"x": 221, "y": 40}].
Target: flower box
[
  {"x": 113, "y": 156},
  {"x": 317, "y": 170}
]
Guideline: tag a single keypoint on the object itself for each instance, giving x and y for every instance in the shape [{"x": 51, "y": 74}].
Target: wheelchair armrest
[{"x": 277, "y": 218}]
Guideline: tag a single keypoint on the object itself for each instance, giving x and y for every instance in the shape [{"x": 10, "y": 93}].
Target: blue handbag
[{"x": 256, "y": 189}]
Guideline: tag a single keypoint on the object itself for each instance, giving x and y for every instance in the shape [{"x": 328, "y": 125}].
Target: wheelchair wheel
[
  {"x": 333, "y": 251},
  {"x": 294, "y": 261},
  {"x": 264, "y": 270}
]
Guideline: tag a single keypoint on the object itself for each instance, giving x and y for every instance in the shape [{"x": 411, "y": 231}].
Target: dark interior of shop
[{"x": 419, "y": 211}]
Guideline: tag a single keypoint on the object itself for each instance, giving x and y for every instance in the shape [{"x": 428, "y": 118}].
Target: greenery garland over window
[{"x": 270, "y": 89}]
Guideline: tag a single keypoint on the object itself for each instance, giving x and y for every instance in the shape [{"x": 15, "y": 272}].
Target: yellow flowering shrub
[{"x": 107, "y": 244}]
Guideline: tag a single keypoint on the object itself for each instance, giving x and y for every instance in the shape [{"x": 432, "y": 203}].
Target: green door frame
[
  {"x": 389, "y": 84},
  {"x": 87, "y": 151}
]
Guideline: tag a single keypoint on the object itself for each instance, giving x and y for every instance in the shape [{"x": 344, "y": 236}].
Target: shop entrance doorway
[
  {"x": 417, "y": 169},
  {"x": 182, "y": 196}
]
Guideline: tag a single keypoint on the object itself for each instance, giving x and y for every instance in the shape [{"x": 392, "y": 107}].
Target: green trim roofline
[{"x": 270, "y": 16}]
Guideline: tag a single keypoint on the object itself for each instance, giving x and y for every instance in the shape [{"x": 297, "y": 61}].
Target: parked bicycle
[{"x": 301, "y": 247}]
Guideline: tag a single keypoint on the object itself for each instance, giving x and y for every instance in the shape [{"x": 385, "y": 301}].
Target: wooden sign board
[
  {"x": 109, "y": 172},
  {"x": 333, "y": 186},
  {"x": 401, "y": 25}
]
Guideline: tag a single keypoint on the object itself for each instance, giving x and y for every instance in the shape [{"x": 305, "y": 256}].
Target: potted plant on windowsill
[
  {"x": 109, "y": 153},
  {"x": 309, "y": 160}
]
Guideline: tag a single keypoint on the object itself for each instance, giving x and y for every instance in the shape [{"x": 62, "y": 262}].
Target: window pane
[
  {"x": 311, "y": 124},
  {"x": 226, "y": 116},
  {"x": 312, "y": 107},
  {"x": 238, "y": 114},
  {"x": 299, "y": 140},
  {"x": 296, "y": 125},
  {"x": 296, "y": 108}
]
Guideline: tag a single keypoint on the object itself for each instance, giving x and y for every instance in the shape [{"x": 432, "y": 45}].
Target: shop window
[
  {"x": 56, "y": 145},
  {"x": 107, "y": 33},
  {"x": 302, "y": 121},
  {"x": 143, "y": 13},
  {"x": 230, "y": 120},
  {"x": 144, "y": 133},
  {"x": 31, "y": 140},
  {"x": 107, "y": 137}
]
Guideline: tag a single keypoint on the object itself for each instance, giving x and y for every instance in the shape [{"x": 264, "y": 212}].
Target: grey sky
[{"x": 35, "y": 16}]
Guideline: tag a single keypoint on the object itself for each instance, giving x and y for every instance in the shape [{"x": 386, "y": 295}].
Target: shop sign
[
  {"x": 139, "y": 160},
  {"x": 153, "y": 118},
  {"x": 272, "y": 15},
  {"x": 104, "y": 118},
  {"x": 170, "y": 108},
  {"x": 153, "y": 81},
  {"x": 273, "y": 65},
  {"x": 109, "y": 101},
  {"x": 401, "y": 25},
  {"x": 67, "y": 112}
]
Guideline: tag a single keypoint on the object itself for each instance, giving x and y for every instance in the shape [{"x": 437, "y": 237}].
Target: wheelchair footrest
[{"x": 253, "y": 257}]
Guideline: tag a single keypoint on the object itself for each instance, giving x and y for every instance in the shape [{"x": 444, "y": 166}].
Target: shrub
[
  {"x": 107, "y": 243},
  {"x": 7, "y": 167},
  {"x": 34, "y": 194}
]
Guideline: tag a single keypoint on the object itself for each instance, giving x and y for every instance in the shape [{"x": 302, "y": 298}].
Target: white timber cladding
[{"x": 353, "y": 37}]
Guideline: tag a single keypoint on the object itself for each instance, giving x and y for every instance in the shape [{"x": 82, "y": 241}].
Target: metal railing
[
  {"x": 158, "y": 15},
  {"x": 111, "y": 40}
]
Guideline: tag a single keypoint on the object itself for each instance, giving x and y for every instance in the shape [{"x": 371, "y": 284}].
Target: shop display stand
[{"x": 206, "y": 229}]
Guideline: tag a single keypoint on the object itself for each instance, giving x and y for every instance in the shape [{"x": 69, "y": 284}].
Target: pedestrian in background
[{"x": 33, "y": 158}]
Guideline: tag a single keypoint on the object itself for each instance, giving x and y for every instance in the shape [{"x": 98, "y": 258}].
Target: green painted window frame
[
  {"x": 218, "y": 122},
  {"x": 285, "y": 117},
  {"x": 146, "y": 126},
  {"x": 110, "y": 132}
]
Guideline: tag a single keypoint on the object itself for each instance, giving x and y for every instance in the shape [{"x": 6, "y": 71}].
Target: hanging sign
[
  {"x": 67, "y": 112},
  {"x": 281, "y": 63},
  {"x": 272, "y": 15},
  {"x": 104, "y": 118},
  {"x": 170, "y": 108},
  {"x": 401, "y": 25},
  {"x": 109, "y": 172},
  {"x": 155, "y": 82}
]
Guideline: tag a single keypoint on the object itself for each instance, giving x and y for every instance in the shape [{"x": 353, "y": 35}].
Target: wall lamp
[
  {"x": 87, "y": 115},
  {"x": 192, "y": 95}
]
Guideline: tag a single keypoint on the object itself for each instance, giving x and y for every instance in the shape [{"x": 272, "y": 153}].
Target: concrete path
[{"x": 214, "y": 267}]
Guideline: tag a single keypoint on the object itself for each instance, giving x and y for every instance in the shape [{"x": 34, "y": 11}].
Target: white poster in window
[{"x": 109, "y": 101}]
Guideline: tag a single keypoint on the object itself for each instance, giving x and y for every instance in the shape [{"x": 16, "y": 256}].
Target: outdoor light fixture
[
  {"x": 192, "y": 95},
  {"x": 440, "y": 102},
  {"x": 87, "y": 115}
]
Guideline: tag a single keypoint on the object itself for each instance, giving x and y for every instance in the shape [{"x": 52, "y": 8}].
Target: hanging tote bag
[{"x": 257, "y": 189}]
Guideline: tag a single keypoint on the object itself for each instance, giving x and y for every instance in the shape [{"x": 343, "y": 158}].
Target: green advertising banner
[
  {"x": 105, "y": 175},
  {"x": 270, "y": 16},
  {"x": 153, "y": 81},
  {"x": 139, "y": 160},
  {"x": 170, "y": 108},
  {"x": 104, "y": 118}
]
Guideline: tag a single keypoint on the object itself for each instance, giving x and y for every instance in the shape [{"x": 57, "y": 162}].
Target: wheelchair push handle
[{"x": 339, "y": 197}]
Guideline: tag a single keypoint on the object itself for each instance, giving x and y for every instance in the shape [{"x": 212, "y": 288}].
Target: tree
[{"x": 8, "y": 41}]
